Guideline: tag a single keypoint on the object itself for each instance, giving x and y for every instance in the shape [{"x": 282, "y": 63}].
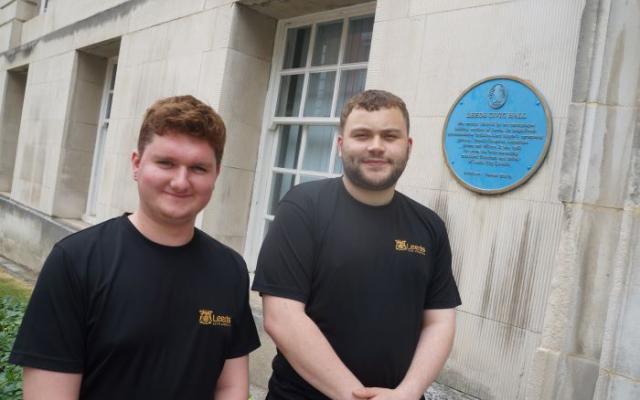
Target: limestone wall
[{"x": 505, "y": 246}]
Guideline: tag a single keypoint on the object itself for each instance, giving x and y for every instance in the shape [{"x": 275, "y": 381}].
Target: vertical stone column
[{"x": 589, "y": 344}]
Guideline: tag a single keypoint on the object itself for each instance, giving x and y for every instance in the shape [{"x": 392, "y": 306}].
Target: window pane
[
  {"x": 319, "y": 94},
  {"x": 289, "y": 96},
  {"x": 351, "y": 82},
  {"x": 295, "y": 55},
  {"x": 337, "y": 166},
  {"x": 358, "y": 40},
  {"x": 288, "y": 146},
  {"x": 107, "y": 113},
  {"x": 327, "y": 43},
  {"x": 309, "y": 178},
  {"x": 317, "y": 153},
  {"x": 113, "y": 76},
  {"x": 279, "y": 187}
]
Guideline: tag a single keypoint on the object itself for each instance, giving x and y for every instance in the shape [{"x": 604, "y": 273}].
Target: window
[
  {"x": 97, "y": 167},
  {"x": 44, "y": 5},
  {"x": 318, "y": 64}
]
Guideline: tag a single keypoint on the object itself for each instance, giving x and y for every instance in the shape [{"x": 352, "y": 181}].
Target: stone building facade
[{"x": 549, "y": 273}]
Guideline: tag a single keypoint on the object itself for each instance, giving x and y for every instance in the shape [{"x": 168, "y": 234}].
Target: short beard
[{"x": 358, "y": 179}]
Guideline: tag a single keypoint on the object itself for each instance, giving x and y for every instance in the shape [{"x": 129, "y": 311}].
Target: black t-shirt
[
  {"x": 138, "y": 319},
  {"x": 366, "y": 274}
]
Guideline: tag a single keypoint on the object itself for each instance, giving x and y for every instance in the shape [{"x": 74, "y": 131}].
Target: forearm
[
  {"x": 231, "y": 393},
  {"x": 41, "y": 384},
  {"x": 434, "y": 345},
  {"x": 233, "y": 382},
  {"x": 307, "y": 350}
]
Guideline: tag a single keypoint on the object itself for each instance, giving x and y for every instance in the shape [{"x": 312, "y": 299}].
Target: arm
[
  {"x": 39, "y": 384},
  {"x": 233, "y": 383},
  {"x": 434, "y": 345},
  {"x": 306, "y": 348}
]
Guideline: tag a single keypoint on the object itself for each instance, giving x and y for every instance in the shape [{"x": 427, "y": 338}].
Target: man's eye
[
  {"x": 164, "y": 163},
  {"x": 199, "y": 170}
]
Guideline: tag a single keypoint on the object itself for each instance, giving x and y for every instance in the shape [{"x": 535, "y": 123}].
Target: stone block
[
  {"x": 243, "y": 98},
  {"x": 597, "y": 161},
  {"x": 180, "y": 74},
  {"x": 228, "y": 212},
  {"x": 211, "y": 76},
  {"x": 217, "y": 3},
  {"x": 519, "y": 41},
  {"x": 577, "y": 306},
  {"x": 147, "y": 88},
  {"x": 618, "y": 64},
  {"x": 100, "y": 28},
  {"x": 241, "y": 149},
  {"x": 418, "y": 7},
  {"x": 223, "y": 26},
  {"x": 145, "y": 46},
  {"x": 623, "y": 388},
  {"x": 156, "y": 12},
  {"x": 86, "y": 103},
  {"x": 81, "y": 136},
  {"x": 503, "y": 253},
  {"x": 392, "y": 9},
  {"x": 560, "y": 376},
  {"x": 625, "y": 340},
  {"x": 489, "y": 360},
  {"x": 252, "y": 33},
  {"x": 191, "y": 35},
  {"x": 397, "y": 68}
]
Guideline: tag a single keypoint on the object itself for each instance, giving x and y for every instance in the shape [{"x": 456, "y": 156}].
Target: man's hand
[{"x": 378, "y": 393}]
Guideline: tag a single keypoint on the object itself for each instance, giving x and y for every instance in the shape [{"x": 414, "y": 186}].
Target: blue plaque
[{"x": 496, "y": 134}]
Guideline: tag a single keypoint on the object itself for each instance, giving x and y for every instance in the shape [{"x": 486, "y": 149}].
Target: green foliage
[{"x": 11, "y": 312}]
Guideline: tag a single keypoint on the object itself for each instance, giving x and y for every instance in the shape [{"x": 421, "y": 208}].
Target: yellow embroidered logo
[
  {"x": 207, "y": 317},
  {"x": 401, "y": 245}
]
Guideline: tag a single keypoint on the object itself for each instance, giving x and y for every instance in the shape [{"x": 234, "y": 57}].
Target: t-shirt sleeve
[
  {"x": 244, "y": 335},
  {"x": 285, "y": 263},
  {"x": 442, "y": 291},
  {"x": 52, "y": 333}
]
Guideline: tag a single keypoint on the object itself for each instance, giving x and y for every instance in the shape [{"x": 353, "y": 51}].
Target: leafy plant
[{"x": 11, "y": 312}]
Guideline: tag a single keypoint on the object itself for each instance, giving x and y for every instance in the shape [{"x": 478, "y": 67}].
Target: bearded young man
[
  {"x": 146, "y": 306},
  {"x": 356, "y": 280}
]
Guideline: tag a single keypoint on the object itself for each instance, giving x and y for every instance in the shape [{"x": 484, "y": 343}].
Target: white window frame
[
  {"x": 269, "y": 137},
  {"x": 97, "y": 164}
]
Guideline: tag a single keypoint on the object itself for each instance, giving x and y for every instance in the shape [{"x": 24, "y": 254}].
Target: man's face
[
  {"x": 176, "y": 174},
  {"x": 375, "y": 147}
]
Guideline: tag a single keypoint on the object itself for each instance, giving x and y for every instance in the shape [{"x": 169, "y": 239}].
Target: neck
[
  {"x": 369, "y": 197},
  {"x": 162, "y": 233}
]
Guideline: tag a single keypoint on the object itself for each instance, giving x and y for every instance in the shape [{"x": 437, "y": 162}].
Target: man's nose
[
  {"x": 376, "y": 144},
  {"x": 180, "y": 180}
]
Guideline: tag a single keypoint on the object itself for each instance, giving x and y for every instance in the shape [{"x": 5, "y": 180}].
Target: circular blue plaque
[{"x": 496, "y": 134}]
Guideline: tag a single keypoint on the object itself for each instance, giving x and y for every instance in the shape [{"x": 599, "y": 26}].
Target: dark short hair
[
  {"x": 373, "y": 100},
  {"x": 185, "y": 115}
]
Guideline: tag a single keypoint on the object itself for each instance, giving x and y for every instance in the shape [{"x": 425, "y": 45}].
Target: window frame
[
  {"x": 90, "y": 214},
  {"x": 267, "y": 153}
]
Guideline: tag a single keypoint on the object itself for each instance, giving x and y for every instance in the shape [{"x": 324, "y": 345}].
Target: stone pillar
[{"x": 589, "y": 346}]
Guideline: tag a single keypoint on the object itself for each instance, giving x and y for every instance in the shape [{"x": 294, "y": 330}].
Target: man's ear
[
  {"x": 340, "y": 141},
  {"x": 135, "y": 163}
]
